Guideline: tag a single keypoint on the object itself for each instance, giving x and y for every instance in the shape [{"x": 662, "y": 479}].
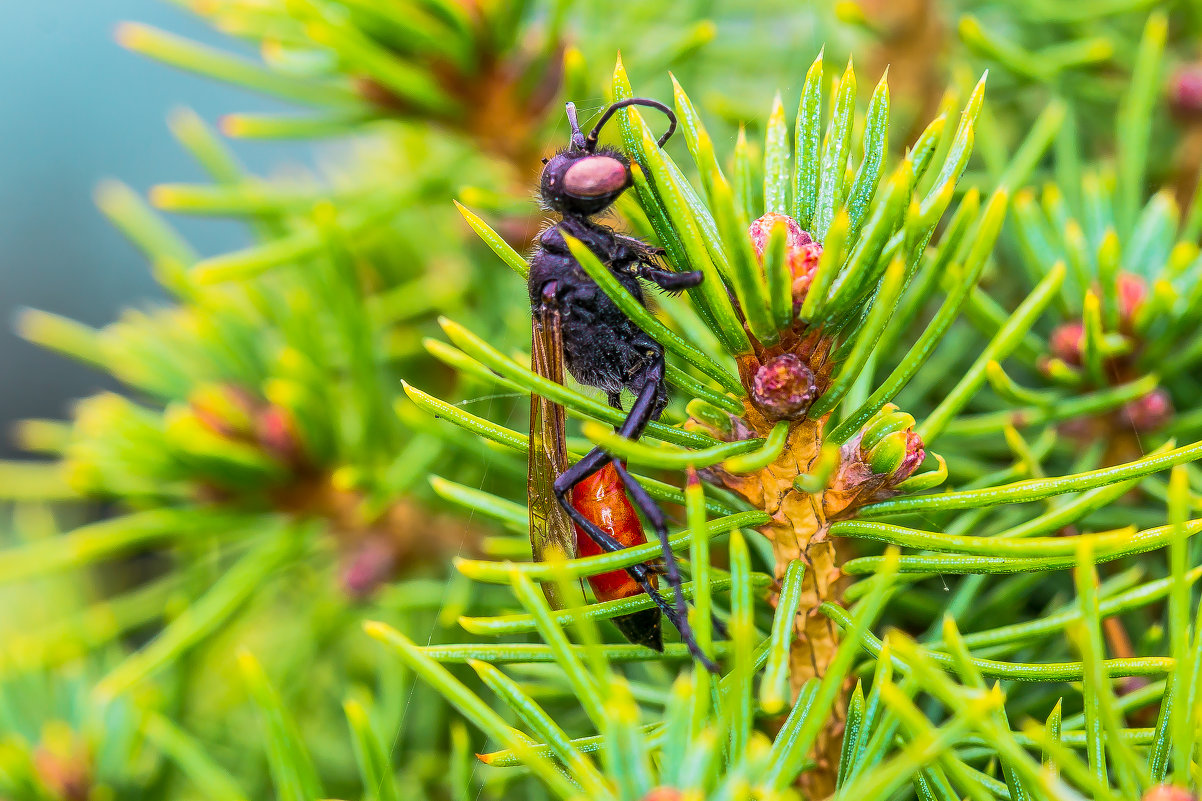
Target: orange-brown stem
[{"x": 798, "y": 530}]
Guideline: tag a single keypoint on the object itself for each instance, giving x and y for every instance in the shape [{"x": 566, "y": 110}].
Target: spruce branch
[
  {"x": 1011, "y": 618},
  {"x": 841, "y": 307}
]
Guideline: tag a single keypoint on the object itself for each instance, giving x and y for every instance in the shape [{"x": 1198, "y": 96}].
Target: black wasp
[{"x": 577, "y": 325}]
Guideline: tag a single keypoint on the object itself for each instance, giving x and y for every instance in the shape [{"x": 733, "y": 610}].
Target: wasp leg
[
  {"x": 647, "y": 266},
  {"x": 655, "y": 516},
  {"x": 640, "y": 414},
  {"x": 669, "y": 281},
  {"x": 642, "y": 575}
]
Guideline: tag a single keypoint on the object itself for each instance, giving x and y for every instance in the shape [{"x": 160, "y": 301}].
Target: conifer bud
[
  {"x": 890, "y": 446},
  {"x": 1150, "y": 412},
  {"x": 801, "y": 251},
  {"x": 1185, "y": 91},
  {"x": 276, "y": 432},
  {"x": 889, "y": 453},
  {"x": 1167, "y": 792},
  {"x": 889, "y": 420},
  {"x": 899, "y": 454},
  {"x": 784, "y": 387},
  {"x": 1067, "y": 343},
  {"x": 873, "y": 463},
  {"x": 367, "y": 568},
  {"x": 1131, "y": 293},
  {"x": 664, "y": 794}
]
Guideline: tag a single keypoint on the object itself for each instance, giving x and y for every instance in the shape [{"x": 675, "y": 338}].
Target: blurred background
[{"x": 78, "y": 108}]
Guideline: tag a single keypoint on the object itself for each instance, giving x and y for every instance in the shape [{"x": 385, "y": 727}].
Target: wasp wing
[{"x": 551, "y": 531}]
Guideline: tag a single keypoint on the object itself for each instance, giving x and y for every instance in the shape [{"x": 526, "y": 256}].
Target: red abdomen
[{"x": 602, "y": 499}]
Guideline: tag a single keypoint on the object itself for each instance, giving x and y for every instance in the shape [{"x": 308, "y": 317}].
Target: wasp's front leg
[
  {"x": 647, "y": 266},
  {"x": 667, "y": 280}
]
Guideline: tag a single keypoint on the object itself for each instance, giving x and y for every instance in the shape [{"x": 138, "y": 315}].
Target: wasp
[{"x": 587, "y": 507}]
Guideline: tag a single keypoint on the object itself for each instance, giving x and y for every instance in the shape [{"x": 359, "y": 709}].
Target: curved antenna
[
  {"x": 590, "y": 143},
  {"x": 577, "y": 137}
]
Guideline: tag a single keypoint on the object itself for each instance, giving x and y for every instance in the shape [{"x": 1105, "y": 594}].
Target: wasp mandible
[{"x": 574, "y": 323}]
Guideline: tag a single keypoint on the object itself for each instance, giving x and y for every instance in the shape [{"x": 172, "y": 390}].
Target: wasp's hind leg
[
  {"x": 641, "y": 573},
  {"x": 641, "y": 413},
  {"x": 645, "y": 502},
  {"x": 655, "y": 516}
]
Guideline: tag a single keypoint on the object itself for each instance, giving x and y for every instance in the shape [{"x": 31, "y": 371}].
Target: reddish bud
[
  {"x": 899, "y": 454},
  {"x": 67, "y": 774},
  {"x": 664, "y": 794},
  {"x": 1150, "y": 412},
  {"x": 883, "y": 454},
  {"x": 1131, "y": 293},
  {"x": 784, "y": 387},
  {"x": 915, "y": 455},
  {"x": 1067, "y": 343},
  {"x": 1185, "y": 90},
  {"x": 801, "y": 251},
  {"x": 1167, "y": 792},
  {"x": 761, "y": 230},
  {"x": 367, "y": 568},
  {"x": 275, "y": 432}
]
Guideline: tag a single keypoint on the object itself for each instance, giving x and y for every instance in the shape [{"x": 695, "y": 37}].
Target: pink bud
[
  {"x": 1185, "y": 90},
  {"x": 1167, "y": 792},
  {"x": 784, "y": 386},
  {"x": 1150, "y": 412},
  {"x": 367, "y": 568},
  {"x": 801, "y": 251},
  {"x": 1131, "y": 293},
  {"x": 275, "y": 432},
  {"x": 761, "y": 229},
  {"x": 664, "y": 794},
  {"x": 67, "y": 775},
  {"x": 915, "y": 454},
  {"x": 1067, "y": 342}
]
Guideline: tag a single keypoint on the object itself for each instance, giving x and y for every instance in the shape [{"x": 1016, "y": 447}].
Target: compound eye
[{"x": 595, "y": 176}]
